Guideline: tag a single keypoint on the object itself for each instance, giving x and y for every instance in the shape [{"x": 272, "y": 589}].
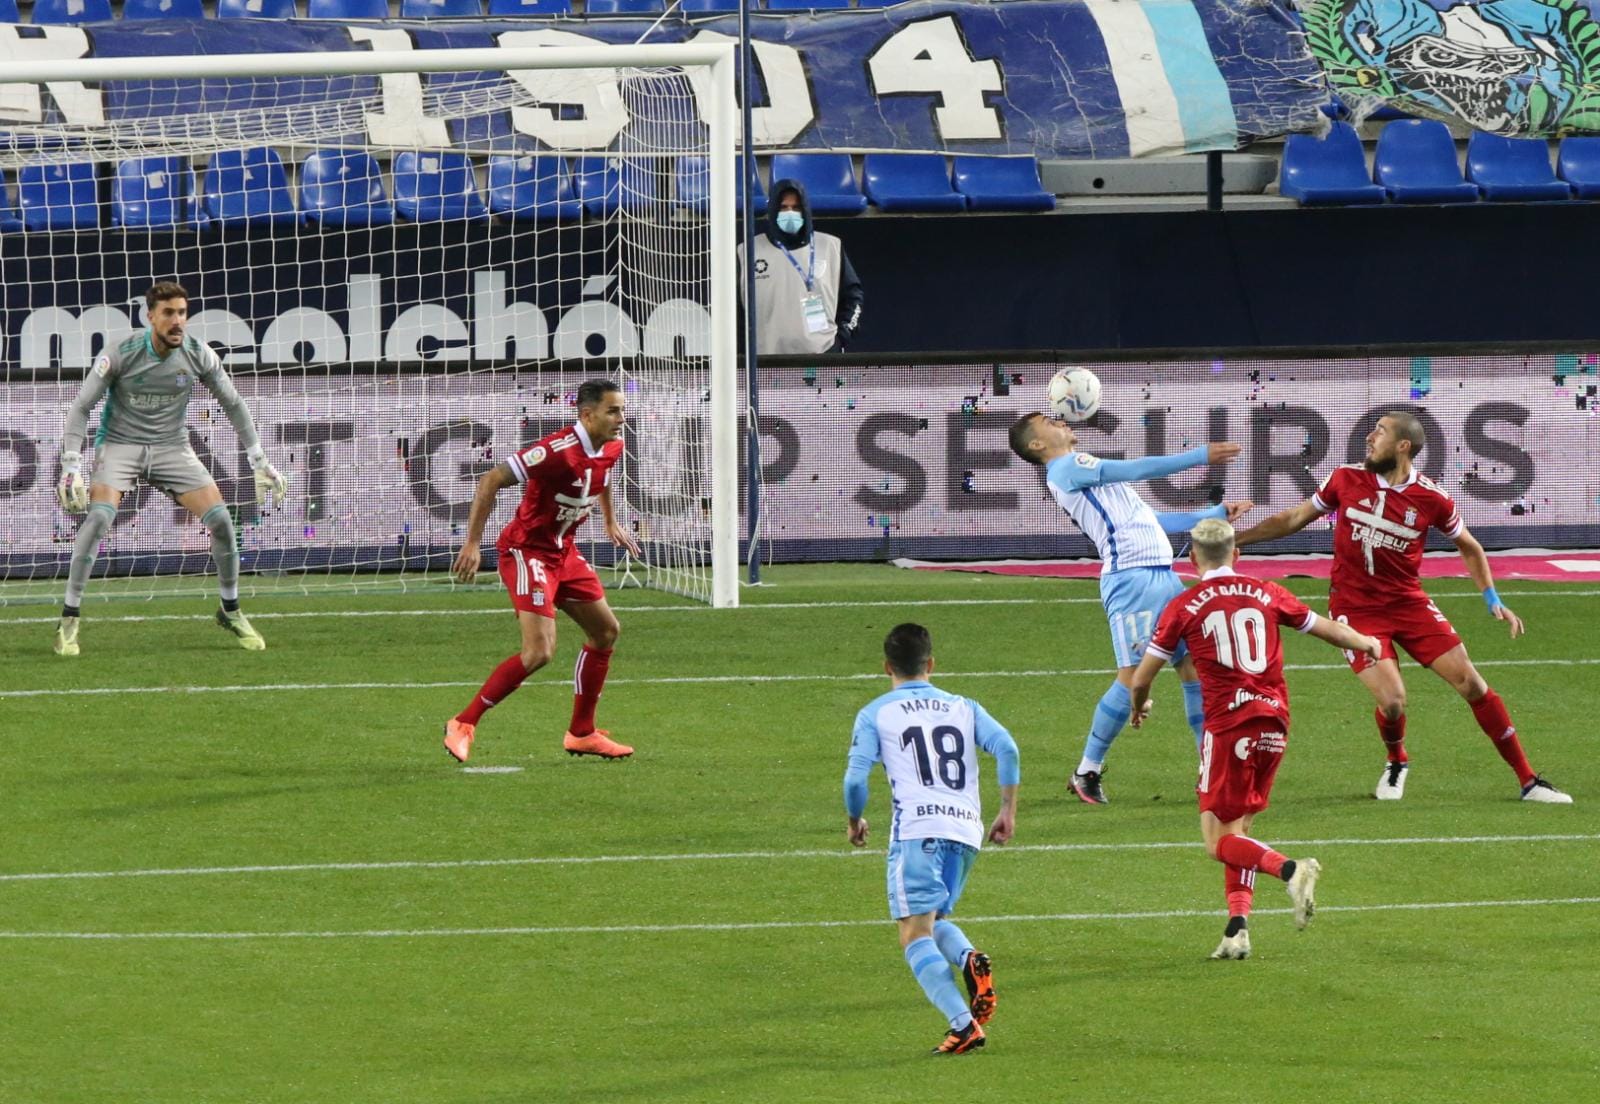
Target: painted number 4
[{"x": 931, "y": 58}]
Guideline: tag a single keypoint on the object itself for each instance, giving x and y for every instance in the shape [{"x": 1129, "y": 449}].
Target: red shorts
[
  {"x": 538, "y": 586},
  {"x": 1418, "y": 627},
  {"x": 1237, "y": 767}
]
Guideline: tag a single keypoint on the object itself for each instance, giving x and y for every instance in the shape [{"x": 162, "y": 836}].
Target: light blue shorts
[
  {"x": 927, "y": 875},
  {"x": 1134, "y": 600}
]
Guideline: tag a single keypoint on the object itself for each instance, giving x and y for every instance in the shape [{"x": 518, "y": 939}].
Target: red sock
[
  {"x": 506, "y": 678},
  {"x": 1240, "y": 885},
  {"x": 1492, "y": 717},
  {"x": 588, "y": 676},
  {"x": 1394, "y": 735},
  {"x": 1245, "y": 852}
]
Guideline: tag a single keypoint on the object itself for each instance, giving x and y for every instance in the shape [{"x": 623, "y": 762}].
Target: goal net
[{"x": 407, "y": 262}]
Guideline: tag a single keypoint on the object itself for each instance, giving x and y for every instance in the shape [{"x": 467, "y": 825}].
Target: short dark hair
[
  {"x": 1408, "y": 427},
  {"x": 1022, "y": 435},
  {"x": 593, "y": 391},
  {"x": 908, "y": 648},
  {"x": 160, "y": 293}
]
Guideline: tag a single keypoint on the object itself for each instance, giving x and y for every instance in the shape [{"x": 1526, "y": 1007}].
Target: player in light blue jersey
[
  {"x": 146, "y": 381},
  {"x": 1136, "y": 576},
  {"x": 928, "y": 741}
]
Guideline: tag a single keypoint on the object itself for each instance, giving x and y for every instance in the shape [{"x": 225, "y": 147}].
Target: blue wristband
[{"x": 1491, "y": 599}]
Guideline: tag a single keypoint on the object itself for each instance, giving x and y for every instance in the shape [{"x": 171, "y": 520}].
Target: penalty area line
[
  {"x": 771, "y": 925},
  {"x": 668, "y": 680},
  {"x": 723, "y": 856}
]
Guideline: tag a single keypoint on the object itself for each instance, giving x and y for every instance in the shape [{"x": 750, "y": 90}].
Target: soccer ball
[{"x": 1074, "y": 394}]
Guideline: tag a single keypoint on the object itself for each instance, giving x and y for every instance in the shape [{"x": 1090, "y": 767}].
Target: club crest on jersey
[
  {"x": 538, "y": 598},
  {"x": 183, "y": 379},
  {"x": 1411, "y": 516}
]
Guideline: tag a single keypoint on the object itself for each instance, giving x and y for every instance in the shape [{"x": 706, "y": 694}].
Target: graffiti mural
[{"x": 1513, "y": 67}]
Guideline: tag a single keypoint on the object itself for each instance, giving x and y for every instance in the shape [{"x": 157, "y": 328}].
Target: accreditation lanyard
[{"x": 810, "y": 274}]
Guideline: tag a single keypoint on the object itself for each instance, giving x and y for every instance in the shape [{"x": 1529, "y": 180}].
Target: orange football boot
[
  {"x": 959, "y": 1042},
  {"x": 458, "y": 739},
  {"x": 978, "y": 974},
  {"x": 598, "y": 742}
]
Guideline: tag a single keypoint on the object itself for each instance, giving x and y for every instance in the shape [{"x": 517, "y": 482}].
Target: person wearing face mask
[{"x": 808, "y": 298}]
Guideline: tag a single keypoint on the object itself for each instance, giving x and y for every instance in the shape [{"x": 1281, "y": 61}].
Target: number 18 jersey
[{"x": 927, "y": 741}]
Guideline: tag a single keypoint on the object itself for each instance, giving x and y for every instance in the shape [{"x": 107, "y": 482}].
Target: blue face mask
[{"x": 791, "y": 222}]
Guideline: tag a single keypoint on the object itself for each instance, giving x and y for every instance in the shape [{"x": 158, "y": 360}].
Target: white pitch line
[
  {"x": 669, "y": 680},
  {"x": 767, "y": 925},
  {"x": 699, "y": 607},
  {"x": 720, "y": 856}
]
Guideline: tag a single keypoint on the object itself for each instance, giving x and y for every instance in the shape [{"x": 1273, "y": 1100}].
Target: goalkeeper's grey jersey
[{"x": 147, "y": 396}]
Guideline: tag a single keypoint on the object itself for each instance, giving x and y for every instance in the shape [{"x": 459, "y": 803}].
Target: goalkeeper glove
[
  {"x": 270, "y": 483},
  {"x": 72, "y": 492}
]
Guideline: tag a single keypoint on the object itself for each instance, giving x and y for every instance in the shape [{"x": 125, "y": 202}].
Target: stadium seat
[
  {"x": 248, "y": 187},
  {"x": 604, "y": 183},
  {"x": 530, "y": 7},
  {"x": 347, "y": 9},
  {"x": 344, "y": 188},
  {"x": 255, "y": 9},
  {"x": 152, "y": 193},
  {"x": 1001, "y": 184},
  {"x": 9, "y": 13},
  {"x": 807, "y": 5},
  {"x": 1515, "y": 170},
  {"x": 715, "y": 5},
  {"x": 1578, "y": 164},
  {"x": 909, "y": 182},
  {"x": 624, "y": 7},
  {"x": 536, "y": 186},
  {"x": 59, "y": 197},
  {"x": 430, "y": 187},
  {"x": 692, "y": 185},
  {"x": 440, "y": 9},
  {"x": 163, "y": 9},
  {"x": 1416, "y": 163},
  {"x": 1327, "y": 170},
  {"x": 71, "y": 11},
  {"x": 829, "y": 180}
]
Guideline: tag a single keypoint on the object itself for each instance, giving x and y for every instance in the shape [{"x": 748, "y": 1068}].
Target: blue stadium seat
[
  {"x": 693, "y": 6},
  {"x": 535, "y": 186},
  {"x": 604, "y": 183},
  {"x": 152, "y": 193},
  {"x": 1001, "y": 184},
  {"x": 1327, "y": 170},
  {"x": 9, "y": 13},
  {"x": 347, "y": 9},
  {"x": 1515, "y": 170},
  {"x": 1416, "y": 163},
  {"x": 163, "y": 9},
  {"x": 829, "y": 180},
  {"x": 692, "y": 185},
  {"x": 71, "y": 11},
  {"x": 624, "y": 7},
  {"x": 807, "y": 5},
  {"x": 255, "y": 9},
  {"x": 530, "y": 7},
  {"x": 344, "y": 188},
  {"x": 909, "y": 182},
  {"x": 440, "y": 9},
  {"x": 1578, "y": 164},
  {"x": 431, "y": 187},
  {"x": 59, "y": 197},
  {"x": 248, "y": 186}
]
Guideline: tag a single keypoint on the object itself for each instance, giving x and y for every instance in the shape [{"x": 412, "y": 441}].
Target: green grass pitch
[{"x": 281, "y": 889}]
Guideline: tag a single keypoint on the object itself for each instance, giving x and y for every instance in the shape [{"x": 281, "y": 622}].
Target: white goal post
[{"x": 641, "y": 287}]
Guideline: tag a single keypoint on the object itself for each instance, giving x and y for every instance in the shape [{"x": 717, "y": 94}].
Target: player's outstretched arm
[
  {"x": 1343, "y": 636},
  {"x": 490, "y": 484},
  {"x": 1278, "y": 525},
  {"x": 1088, "y": 471},
  {"x": 619, "y": 536},
  {"x": 1144, "y": 676},
  {"x": 1477, "y": 563}
]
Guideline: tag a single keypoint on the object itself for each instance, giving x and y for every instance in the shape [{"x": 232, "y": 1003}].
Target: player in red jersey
[
  {"x": 1384, "y": 508},
  {"x": 564, "y": 474},
  {"x": 1230, "y": 624}
]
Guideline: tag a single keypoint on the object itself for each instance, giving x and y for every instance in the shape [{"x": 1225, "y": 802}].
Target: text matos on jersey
[
  {"x": 928, "y": 741},
  {"x": 1379, "y": 534},
  {"x": 563, "y": 475}
]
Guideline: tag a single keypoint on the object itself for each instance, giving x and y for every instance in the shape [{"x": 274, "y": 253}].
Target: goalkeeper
[{"x": 146, "y": 382}]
